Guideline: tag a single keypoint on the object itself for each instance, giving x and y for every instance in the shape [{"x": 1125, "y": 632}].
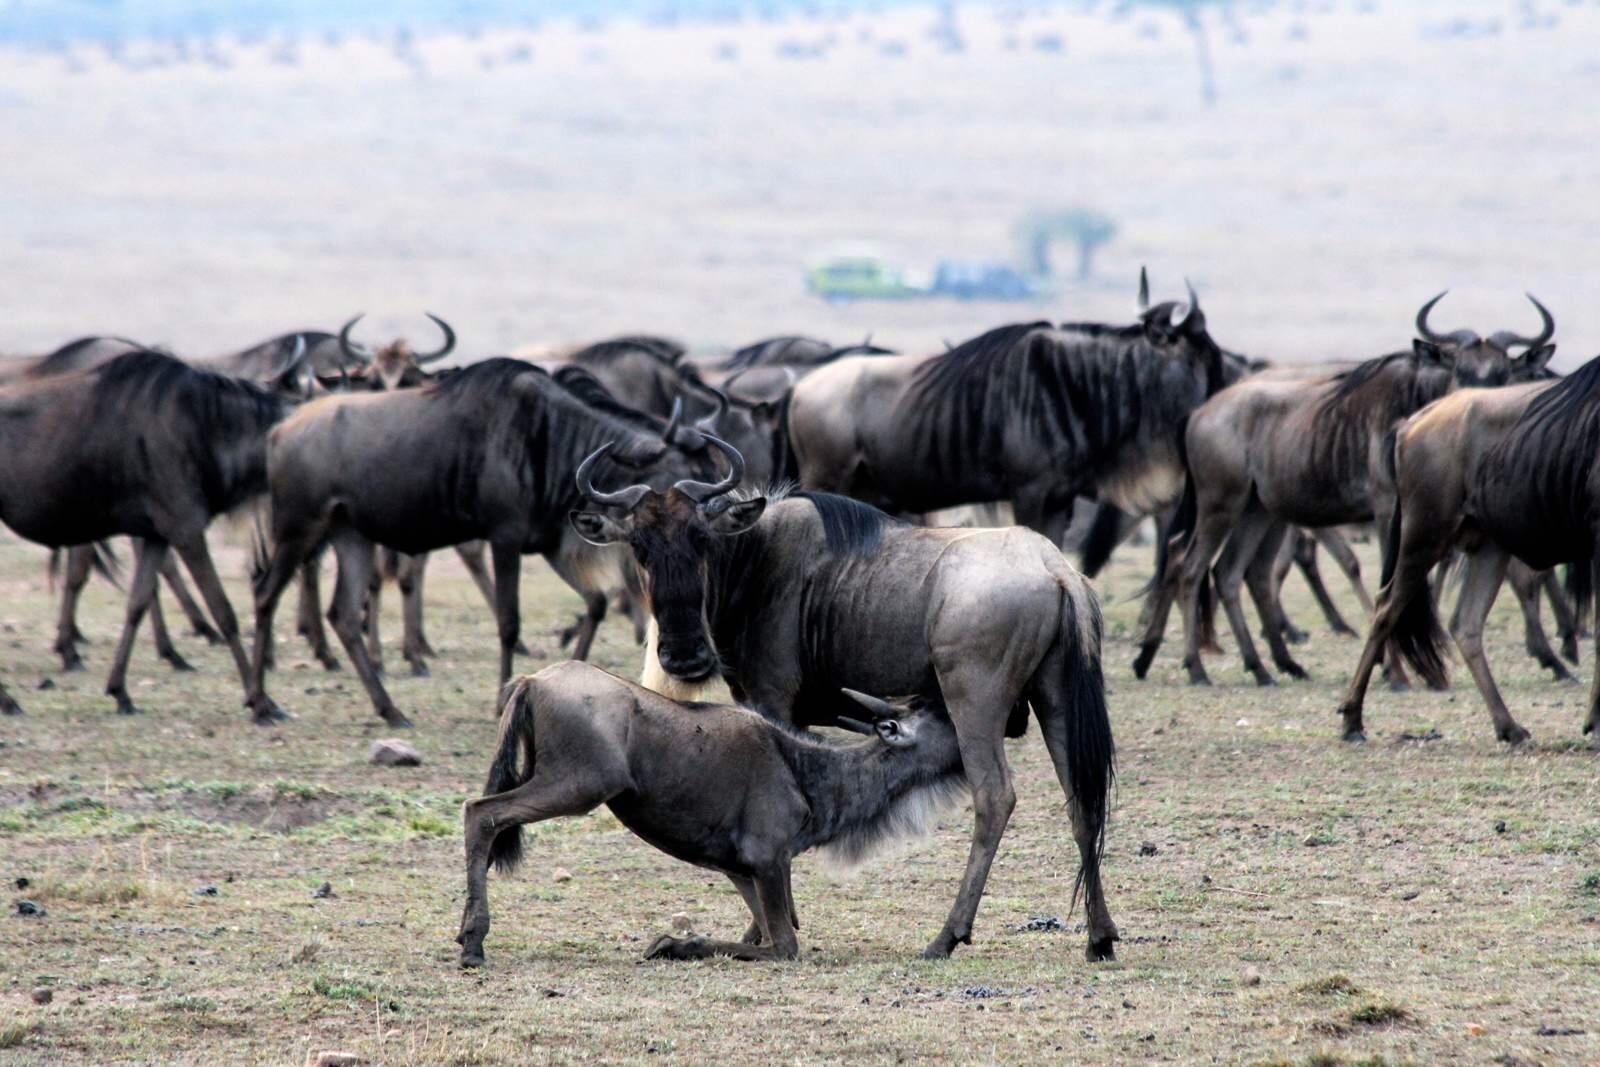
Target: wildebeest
[
  {"x": 147, "y": 446},
  {"x": 488, "y": 453},
  {"x": 1271, "y": 451},
  {"x": 1028, "y": 413},
  {"x": 794, "y": 600},
  {"x": 1495, "y": 474},
  {"x": 717, "y": 786},
  {"x": 394, "y": 365}
]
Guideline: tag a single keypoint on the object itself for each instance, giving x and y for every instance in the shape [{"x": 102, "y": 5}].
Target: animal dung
[
  {"x": 29, "y": 909},
  {"x": 43, "y": 995},
  {"x": 391, "y": 752}
]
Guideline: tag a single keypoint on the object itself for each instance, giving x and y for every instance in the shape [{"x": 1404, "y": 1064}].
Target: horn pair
[
  {"x": 361, "y": 355},
  {"x": 628, "y": 498},
  {"x": 877, "y": 708},
  {"x": 1170, "y": 308},
  {"x": 1503, "y": 340}
]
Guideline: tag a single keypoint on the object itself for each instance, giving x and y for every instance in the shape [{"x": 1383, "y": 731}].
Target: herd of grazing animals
[{"x": 762, "y": 522}]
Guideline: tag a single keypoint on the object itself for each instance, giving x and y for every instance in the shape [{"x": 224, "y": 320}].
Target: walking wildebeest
[
  {"x": 1027, "y": 413},
  {"x": 717, "y": 786},
  {"x": 794, "y": 600},
  {"x": 1271, "y": 451},
  {"x": 486, "y": 453},
  {"x": 1496, "y": 474},
  {"x": 146, "y": 446}
]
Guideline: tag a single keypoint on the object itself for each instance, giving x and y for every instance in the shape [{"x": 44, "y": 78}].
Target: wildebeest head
[
  {"x": 908, "y": 723},
  {"x": 395, "y": 365},
  {"x": 670, "y": 534},
  {"x": 1478, "y": 361},
  {"x": 1187, "y": 337}
]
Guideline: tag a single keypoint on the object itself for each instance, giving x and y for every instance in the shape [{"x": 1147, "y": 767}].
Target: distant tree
[
  {"x": 1084, "y": 227},
  {"x": 1190, "y": 11}
]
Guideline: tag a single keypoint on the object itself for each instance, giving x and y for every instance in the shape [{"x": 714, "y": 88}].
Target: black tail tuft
[
  {"x": 1105, "y": 534},
  {"x": 1417, "y": 635},
  {"x": 516, "y": 734},
  {"x": 1091, "y": 752},
  {"x": 1580, "y": 589}
]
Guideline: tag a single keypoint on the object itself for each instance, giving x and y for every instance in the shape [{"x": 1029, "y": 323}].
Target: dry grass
[{"x": 1409, "y": 920}]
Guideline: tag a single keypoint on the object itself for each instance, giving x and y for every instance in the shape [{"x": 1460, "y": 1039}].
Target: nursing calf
[{"x": 717, "y": 786}]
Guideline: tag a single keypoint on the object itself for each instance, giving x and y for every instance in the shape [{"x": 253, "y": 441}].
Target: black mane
[
  {"x": 971, "y": 362},
  {"x": 850, "y": 527},
  {"x": 664, "y": 351},
  {"x": 1350, "y": 381},
  {"x": 592, "y": 393},
  {"x": 483, "y": 380},
  {"x": 1568, "y": 413}
]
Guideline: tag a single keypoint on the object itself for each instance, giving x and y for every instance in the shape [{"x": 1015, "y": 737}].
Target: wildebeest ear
[
  {"x": 1538, "y": 358},
  {"x": 737, "y": 517},
  {"x": 1427, "y": 351},
  {"x": 891, "y": 734},
  {"x": 595, "y": 528}
]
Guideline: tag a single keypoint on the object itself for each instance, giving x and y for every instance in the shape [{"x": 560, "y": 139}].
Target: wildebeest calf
[{"x": 718, "y": 786}]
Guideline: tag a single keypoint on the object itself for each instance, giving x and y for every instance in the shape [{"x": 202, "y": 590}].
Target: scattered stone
[
  {"x": 1148, "y": 849},
  {"x": 324, "y": 891},
  {"x": 1040, "y": 924},
  {"x": 551, "y": 994},
  {"x": 681, "y": 922},
  {"x": 206, "y": 891},
  {"x": 332, "y": 1059},
  {"x": 1411, "y": 894},
  {"x": 1499, "y": 826},
  {"x": 561, "y": 874},
  {"x": 29, "y": 908},
  {"x": 43, "y": 995},
  {"x": 45, "y": 684},
  {"x": 22, "y": 883},
  {"x": 1430, "y": 735},
  {"x": 392, "y": 752},
  {"x": 1558, "y": 1031},
  {"x": 1251, "y": 977}
]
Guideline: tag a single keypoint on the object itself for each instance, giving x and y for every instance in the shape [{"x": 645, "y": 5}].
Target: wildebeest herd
[{"x": 763, "y": 519}]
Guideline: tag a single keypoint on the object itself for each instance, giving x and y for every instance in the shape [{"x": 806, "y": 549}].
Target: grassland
[{"x": 1282, "y": 896}]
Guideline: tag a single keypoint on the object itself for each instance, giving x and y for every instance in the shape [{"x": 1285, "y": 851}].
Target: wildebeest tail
[
  {"x": 1580, "y": 588},
  {"x": 1417, "y": 635},
  {"x": 1105, "y": 533},
  {"x": 1180, "y": 529},
  {"x": 1090, "y": 750},
  {"x": 516, "y": 738}
]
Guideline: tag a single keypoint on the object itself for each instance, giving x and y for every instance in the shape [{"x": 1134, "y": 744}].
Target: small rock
[
  {"x": 1251, "y": 977},
  {"x": 550, "y": 994},
  {"x": 46, "y": 683},
  {"x": 1477, "y": 1029},
  {"x": 561, "y": 874},
  {"x": 43, "y": 995},
  {"x": 332, "y": 1059},
  {"x": 28, "y": 907},
  {"x": 1499, "y": 826},
  {"x": 23, "y": 883},
  {"x": 324, "y": 891},
  {"x": 1040, "y": 924},
  {"x": 392, "y": 752},
  {"x": 681, "y": 922},
  {"x": 1148, "y": 849},
  {"x": 205, "y": 890},
  {"x": 1411, "y": 894}
]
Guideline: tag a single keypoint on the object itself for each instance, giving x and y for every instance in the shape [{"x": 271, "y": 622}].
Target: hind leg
[
  {"x": 547, "y": 795},
  {"x": 163, "y": 640},
  {"x": 1306, "y": 559},
  {"x": 141, "y": 591},
  {"x": 408, "y": 576},
  {"x": 772, "y": 903},
  {"x": 1528, "y": 587},
  {"x": 472, "y": 557},
  {"x": 1289, "y": 554},
  {"x": 309, "y": 614},
  {"x": 1264, "y": 593},
  {"x": 198, "y": 624},
  {"x": 1561, "y": 608},
  {"x": 1157, "y": 608},
  {"x": 1486, "y": 568},
  {"x": 356, "y": 571},
  {"x": 80, "y": 559},
  {"x": 1250, "y": 534},
  {"x": 1340, "y": 551}
]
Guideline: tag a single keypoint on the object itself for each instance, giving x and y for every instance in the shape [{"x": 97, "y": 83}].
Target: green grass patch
[
  {"x": 15, "y": 1033},
  {"x": 1335, "y": 985},
  {"x": 353, "y": 989},
  {"x": 1378, "y": 1013}
]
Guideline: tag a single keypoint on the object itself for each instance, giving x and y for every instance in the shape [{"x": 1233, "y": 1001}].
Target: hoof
[
  {"x": 1401, "y": 686},
  {"x": 1141, "y": 662},
  {"x": 328, "y": 662},
  {"x": 942, "y": 946},
  {"x": 520, "y": 649},
  {"x": 1344, "y": 631},
  {"x": 128, "y": 707},
  {"x": 1198, "y": 679},
  {"x": 73, "y": 662},
  {"x": 426, "y": 647},
  {"x": 1265, "y": 680},
  {"x": 1354, "y": 737},
  {"x": 419, "y": 669},
  {"x": 177, "y": 662},
  {"x": 1514, "y": 735},
  {"x": 471, "y": 961},
  {"x": 268, "y": 714},
  {"x": 1101, "y": 948},
  {"x": 395, "y": 718},
  {"x": 1295, "y": 671},
  {"x": 667, "y": 947}
]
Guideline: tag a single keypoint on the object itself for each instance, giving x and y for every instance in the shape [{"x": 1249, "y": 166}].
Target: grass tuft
[
  {"x": 1335, "y": 985},
  {"x": 15, "y": 1033},
  {"x": 1378, "y": 1013}
]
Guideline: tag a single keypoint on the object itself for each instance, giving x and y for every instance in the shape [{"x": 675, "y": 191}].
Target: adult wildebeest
[
  {"x": 146, "y": 446},
  {"x": 794, "y": 600},
  {"x": 713, "y": 785},
  {"x": 1271, "y": 451},
  {"x": 1495, "y": 474},
  {"x": 486, "y": 453},
  {"x": 1027, "y": 413},
  {"x": 394, "y": 365}
]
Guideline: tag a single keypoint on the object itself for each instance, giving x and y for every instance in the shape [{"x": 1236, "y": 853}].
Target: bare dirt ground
[{"x": 1282, "y": 896}]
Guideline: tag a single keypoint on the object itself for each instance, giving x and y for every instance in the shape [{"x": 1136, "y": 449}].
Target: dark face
[
  {"x": 1480, "y": 364},
  {"x": 671, "y": 536}
]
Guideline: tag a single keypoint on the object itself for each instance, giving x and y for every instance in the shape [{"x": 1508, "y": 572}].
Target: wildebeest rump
[
  {"x": 145, "y": 446},
  {"x": 486, "y": 453},
  {"x": 1027, "y": 413},
  {"x": 1496, "y": 474},
  {"x": 817, "y": 592},
  {"x": 717, "y": 786}
]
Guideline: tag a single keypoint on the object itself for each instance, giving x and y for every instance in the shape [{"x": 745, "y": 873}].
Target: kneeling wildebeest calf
[{"x": 589, "y": 738}]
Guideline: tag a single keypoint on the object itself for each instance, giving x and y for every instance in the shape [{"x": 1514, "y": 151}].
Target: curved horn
[
  {"x": 674, "y": 420},
  {"x": 627, "y": 499},
  {"x": 855, "y": 726},
  {"x": 877, "y": 707},
  {"x": 700, "y": 492},
  {"x": 1505, "y": 338},
  {"x": 360, "y": 355},
  {"x": 1454, "y": 337},
  {"x": 1144, "y": 289},
  {"x": 449, "y": 341},
  {"x": 298, "y": 355},
  {"x": 709, "y": 422},
  {"x": 1194, "y": 314}
]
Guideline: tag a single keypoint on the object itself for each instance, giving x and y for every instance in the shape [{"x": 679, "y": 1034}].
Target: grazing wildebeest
[
  {"x": 1271, "y": 451},
  {"x": 488, "y": 453},
  {"x": 794, "y": 600},
  {"x": 713, "y": 785},
  {"x": 1027, "y": 413},
  {"x": 1501, "y": 474},
  {"x": 146, "y": 446}
]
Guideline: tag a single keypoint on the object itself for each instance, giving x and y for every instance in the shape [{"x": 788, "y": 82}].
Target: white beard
[{"x": 654, "y": 678}]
